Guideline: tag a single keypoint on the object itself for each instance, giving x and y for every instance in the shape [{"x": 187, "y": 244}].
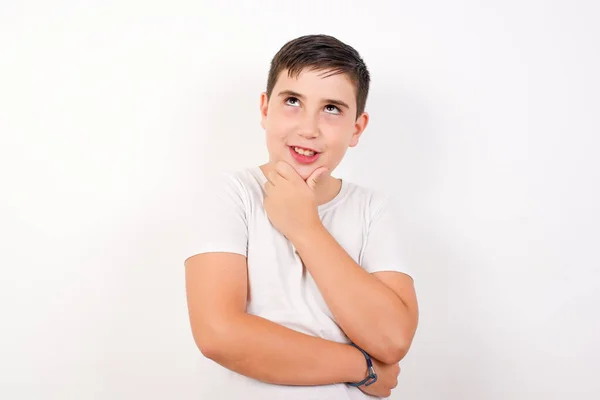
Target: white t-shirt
[{"x": 233, "y": 220}]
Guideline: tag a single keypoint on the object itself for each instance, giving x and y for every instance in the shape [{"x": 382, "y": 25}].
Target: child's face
[{"x": 314, "y": 111}]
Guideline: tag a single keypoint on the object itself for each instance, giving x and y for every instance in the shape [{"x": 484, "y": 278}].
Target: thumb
[{"x": 316, "y": 176}]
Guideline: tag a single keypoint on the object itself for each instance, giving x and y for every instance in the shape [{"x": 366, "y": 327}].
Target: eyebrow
[{"x": 328, "y": 101}]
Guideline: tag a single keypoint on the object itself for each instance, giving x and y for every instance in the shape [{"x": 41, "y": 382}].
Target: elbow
[
  {"x": 209, "y": 348},
  {"x": 394, "y": 353},
  {"x": 211, "y": 340},
  {"x": 395, "y": 345}
]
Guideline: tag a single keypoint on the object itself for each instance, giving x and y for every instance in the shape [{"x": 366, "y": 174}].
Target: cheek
[
  {"x": 280, "y": 126},
  {"x": 338, "y": 132},
  {"x": 338, "y": 141},
  {"x": 339, "y": 125}
]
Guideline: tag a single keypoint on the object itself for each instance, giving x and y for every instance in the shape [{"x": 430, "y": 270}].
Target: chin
[{"x": 304, "y": 170}]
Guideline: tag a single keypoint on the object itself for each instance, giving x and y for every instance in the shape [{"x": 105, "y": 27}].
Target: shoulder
[
  {"x": 372, "y": 201},
  {"x": 243, "y": 185},
  {"x": 228, "y": 177}
]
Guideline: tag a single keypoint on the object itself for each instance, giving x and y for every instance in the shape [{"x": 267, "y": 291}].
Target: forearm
[
  {"x": 269, "y": 352},
  {"x": 367, "y": 310}
]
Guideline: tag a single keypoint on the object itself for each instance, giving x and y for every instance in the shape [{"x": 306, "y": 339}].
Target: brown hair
[{"x": 321, "y": 52}]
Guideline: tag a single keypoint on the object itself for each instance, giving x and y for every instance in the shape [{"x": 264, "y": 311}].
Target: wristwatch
[{"x": 372, "y": 377}]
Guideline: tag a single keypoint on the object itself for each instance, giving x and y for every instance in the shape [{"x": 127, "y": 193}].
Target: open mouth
[
  {"x": 304, "y": 155},
  {"x": 303, "y": 151}
]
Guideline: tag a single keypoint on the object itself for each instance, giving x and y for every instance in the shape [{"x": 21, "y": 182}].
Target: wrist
[
  {"x": 371, "y": 374},
  {"x": 356, "y": 367},
  {"x": 307, "y": 234}
]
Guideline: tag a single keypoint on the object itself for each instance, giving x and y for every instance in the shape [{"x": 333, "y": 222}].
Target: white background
[{"x": 484, "y": 126}]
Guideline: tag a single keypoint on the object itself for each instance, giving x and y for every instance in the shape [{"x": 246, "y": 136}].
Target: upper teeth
[{"x": 304, "y": 152}]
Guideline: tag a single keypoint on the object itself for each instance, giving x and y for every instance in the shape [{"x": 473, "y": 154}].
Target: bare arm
[
  {"x": 377, "y": 311},
  {"x": 217, "y": 288}
]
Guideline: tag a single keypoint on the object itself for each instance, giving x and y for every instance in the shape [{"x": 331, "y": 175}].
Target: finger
[
  {"x": 316, "y": 177},
  {"x": 268, "y": 187},
  {"x": 273, "y": 177}
]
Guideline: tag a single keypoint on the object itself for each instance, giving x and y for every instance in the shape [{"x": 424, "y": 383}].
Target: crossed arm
[
  {"x": 253, "y": 346},
  {"x": 377, "y": 311}
]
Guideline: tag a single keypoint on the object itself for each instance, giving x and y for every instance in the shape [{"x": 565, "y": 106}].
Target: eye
[
  {"x": 332, "y": 109},
  {"x": 292, "y": 101}
]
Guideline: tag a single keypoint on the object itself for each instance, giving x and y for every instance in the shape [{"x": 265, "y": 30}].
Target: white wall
[{"x": 484, "y": 126}]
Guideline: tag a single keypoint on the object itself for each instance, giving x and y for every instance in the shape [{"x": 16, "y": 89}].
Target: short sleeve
[
  {"x": 220, "y": 221},
  {"x": 383, "y": 249}
]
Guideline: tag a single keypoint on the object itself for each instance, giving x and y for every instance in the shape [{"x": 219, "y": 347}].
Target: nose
[{"x": 309, "y": 126}]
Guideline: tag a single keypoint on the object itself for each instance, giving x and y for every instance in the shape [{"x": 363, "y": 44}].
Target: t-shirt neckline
[{"x": 321, "y": 208}]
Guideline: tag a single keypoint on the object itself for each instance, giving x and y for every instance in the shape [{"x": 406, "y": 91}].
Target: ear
[
  {"x": 264, "y": 107},
  {"x": 359, "y": 126}
]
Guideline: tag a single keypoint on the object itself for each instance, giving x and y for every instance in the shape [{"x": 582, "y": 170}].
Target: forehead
[{"x": 318, "y": 84}]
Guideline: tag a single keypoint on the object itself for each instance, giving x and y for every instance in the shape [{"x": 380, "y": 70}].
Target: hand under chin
[{"x": 305, "y": 171}]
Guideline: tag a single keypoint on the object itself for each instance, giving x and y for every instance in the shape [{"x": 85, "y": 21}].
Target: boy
[{"x": 297, "y": 283}]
